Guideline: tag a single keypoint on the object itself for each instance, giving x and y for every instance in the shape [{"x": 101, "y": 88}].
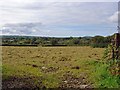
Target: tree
[
  {"x": 54, "y": 42},
  {"x": 99, "y": 41},
  {"x": 33, "y": 40},
  {"x": 76, "y": 41}
]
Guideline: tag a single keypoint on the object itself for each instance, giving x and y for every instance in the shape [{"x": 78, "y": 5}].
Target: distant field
[{"x": 49, "y": 67}]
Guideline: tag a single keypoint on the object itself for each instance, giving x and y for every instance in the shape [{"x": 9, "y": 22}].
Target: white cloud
[
  {"x": 114, "y": 17},
  {"x": 32, "y": 11},
  {"x": 34, "y": 30},
  {"x": 51, "y": 14}
]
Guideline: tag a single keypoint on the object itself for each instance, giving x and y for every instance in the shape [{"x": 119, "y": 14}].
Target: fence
[{"x": 116, "y": 46}]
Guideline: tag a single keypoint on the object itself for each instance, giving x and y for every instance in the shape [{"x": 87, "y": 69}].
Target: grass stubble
[{"x": 55, "y": 67}]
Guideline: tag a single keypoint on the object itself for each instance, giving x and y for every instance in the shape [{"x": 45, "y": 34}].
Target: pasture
[{"x": 50, "y": 67}]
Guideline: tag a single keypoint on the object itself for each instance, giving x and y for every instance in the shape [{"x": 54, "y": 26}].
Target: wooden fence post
[
  {"x": 117, "y": 40},
  {"x": 117, "y": 45}
]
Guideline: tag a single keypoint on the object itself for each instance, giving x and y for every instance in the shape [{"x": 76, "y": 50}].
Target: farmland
[{"x": 50, "y": 67}]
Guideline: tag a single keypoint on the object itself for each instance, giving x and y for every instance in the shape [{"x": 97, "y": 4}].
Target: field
[{"x": 50, "y": 67}]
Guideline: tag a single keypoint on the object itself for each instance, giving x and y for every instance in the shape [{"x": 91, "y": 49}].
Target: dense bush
[{"x": 100, "y": 45}]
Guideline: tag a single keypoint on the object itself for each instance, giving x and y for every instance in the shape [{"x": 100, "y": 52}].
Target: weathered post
[
  {"x": 118, "y": 34},
  {"x": 117, "y": 45},
  {"x": 117, "y": 52},
  {"x": 117, "y": 40}
]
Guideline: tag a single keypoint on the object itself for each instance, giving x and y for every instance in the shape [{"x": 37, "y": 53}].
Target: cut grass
[{"x": 50, "y": 64}]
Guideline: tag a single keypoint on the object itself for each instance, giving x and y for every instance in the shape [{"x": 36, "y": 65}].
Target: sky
[{"x": 58, "y": 19}]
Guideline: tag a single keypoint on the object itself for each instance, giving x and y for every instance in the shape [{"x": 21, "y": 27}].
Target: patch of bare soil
[
  {"x": 71, "y": 82},
  {"x": 20, "y": 83}
]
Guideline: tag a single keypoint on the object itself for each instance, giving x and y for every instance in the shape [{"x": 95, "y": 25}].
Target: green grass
[
  {"x": 50, "y": 64},
  {"x": 51, "y": 80},
  {"x": 102, "y": 77}
]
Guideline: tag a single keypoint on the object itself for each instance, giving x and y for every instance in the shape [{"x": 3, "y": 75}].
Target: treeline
[{"x": 97, "y": 41}]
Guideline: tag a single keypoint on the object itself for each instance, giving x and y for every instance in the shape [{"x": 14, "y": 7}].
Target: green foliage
[
  {"x": 54, "y": 42},
  {"x": 111, "y": 60},
  {"x": 97, "y": 41},
  {"x": 50, "y": 81},
  {"x": 100, "y": 41},
  {"x": 100, "y": 45},
  {"x": 103, "y": 77},
  {"x": 76, "y": 41},
  {"x": 108, "y": 52},
  {"x": 106, "y": 72}
]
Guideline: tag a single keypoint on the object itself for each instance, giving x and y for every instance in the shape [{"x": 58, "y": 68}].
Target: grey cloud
[
  {"x": 52, "y": 14},
  {"x": 23, "y": 25},
  {"x": 20, "y": 28}
]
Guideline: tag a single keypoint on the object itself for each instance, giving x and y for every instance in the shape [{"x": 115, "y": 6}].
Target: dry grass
[{"x": 48, "y": 65}]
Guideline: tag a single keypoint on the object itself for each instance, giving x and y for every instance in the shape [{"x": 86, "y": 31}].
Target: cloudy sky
[{"x": 61, "y": 19}]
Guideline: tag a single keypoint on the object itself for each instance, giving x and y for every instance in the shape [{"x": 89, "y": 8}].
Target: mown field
[{"x": 50, "y": 67}]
